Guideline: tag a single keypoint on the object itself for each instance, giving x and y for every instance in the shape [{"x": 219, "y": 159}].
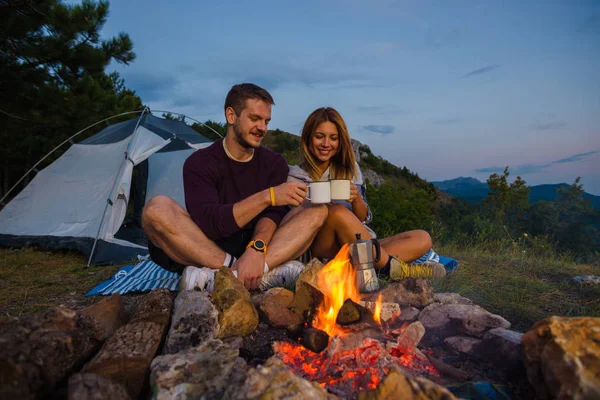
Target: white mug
[
  {"x": 319, "y": 192},
  {"x": 340, "y": 189}
]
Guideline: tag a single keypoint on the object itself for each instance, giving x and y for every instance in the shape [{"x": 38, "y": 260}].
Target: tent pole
[{"x": 109, "y": 201}]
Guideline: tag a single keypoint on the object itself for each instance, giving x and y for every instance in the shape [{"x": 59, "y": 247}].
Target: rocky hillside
[{"x": 376, "y": 170}]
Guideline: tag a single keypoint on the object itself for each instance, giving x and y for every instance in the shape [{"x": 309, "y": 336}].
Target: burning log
[
  {"x": 447, "y": 370},
  {"x": 354, "y": 338},
  {"x": 315, "y": 340},
  {"x": 348, "y": 314}
]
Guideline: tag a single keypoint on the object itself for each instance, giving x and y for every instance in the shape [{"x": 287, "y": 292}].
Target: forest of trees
[{"x": 53, "y": 83}]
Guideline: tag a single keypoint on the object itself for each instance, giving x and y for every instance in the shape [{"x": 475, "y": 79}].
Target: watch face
[{"x": 259, "y": 245}]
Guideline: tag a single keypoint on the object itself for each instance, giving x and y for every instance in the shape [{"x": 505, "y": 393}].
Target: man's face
[{"x": 251, "y": 125}]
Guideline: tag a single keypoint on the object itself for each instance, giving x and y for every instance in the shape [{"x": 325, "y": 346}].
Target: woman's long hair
[{"x": 342, "y": 164}]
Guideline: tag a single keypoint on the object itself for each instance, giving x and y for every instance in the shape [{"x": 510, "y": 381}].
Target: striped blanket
[{"x": 142, "y": 277}]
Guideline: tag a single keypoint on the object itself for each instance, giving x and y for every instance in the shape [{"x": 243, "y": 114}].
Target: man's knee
[
  {"x": 314, "y": 216},
  {"x": 157, "y": 210}
]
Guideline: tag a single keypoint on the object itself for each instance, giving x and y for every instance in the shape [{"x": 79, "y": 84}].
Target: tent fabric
[{"x": 86, "y": 192}]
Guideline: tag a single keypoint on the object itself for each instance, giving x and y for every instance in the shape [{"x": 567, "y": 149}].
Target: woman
[{"x": 327, "y": 153}]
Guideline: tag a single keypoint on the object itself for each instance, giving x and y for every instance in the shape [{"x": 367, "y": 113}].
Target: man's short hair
[{"x": 237, "y": 96}]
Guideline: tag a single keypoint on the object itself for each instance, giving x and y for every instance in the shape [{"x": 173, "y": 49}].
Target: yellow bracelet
[{"x": 272, "y": 193}]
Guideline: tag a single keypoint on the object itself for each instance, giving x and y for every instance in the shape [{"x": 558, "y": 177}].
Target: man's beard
[{"x": 241, "y": 139}]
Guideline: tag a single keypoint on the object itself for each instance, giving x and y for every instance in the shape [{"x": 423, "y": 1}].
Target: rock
[
  {"x": 274, "y": 305},
  {"x": 95, "y": 387},
  {"x": 409, "y": 314},
  {"x": 562, "y": 357},
  {"x": 373, "y": 178},
  {"x": 237, "y": 315},
  {"x": 274, "y": 381},
  {"x": 194, "y": 321},
  {"x": 348, "y": 314},
  {"x": 502, "y": 347},
  {"x": 443, "y": 320},
  {"x": 397, "y": 386},
  {"x": 212, "y": 370},
  {"x": 587, "y": 279},
  {"x": 462, "y": 344},
  {"x": 388, "y": 310},
  {"x": 410, "y": 337},
  {"x": 236, "y": 342},
  {"x": 407, "y": 292},
  {"x": 308, "y": 296},
  {"x": 451, "y": 298}
]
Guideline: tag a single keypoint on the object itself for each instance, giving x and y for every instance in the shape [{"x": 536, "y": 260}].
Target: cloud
[
  {"x": 489, "y": 170},
  {"x": 525, "y": 169},
  {"x": 381, "y": 129},
  {"x": 480, "y": 71},
  {"x": 446, "y": 121},
  {"x": 545, "y": 126},
  {"x": 576, "y": 157}
]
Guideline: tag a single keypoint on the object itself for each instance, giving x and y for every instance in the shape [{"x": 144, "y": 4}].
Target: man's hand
[
  {"x": 354, "y": 193},
  {"x": 290, "y": 194},
  {"x": 250, "y": 268}
]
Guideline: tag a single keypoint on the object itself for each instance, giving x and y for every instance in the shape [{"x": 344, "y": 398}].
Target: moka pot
[{"x": 361, "y": 257}]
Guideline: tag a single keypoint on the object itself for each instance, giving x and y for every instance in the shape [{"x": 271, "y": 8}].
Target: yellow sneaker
[{"x": 430, "y": 270}]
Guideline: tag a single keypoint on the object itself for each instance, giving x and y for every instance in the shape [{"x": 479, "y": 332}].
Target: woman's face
[{"x": 324, "y": 142}]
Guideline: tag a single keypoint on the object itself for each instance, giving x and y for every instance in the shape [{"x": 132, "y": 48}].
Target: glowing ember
[
  {"x": 337, "y": 282},
  {"x": 349, "y": 371}
]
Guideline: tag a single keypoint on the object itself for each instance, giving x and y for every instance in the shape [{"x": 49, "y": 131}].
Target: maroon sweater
[{"x": 213, "y": 183}]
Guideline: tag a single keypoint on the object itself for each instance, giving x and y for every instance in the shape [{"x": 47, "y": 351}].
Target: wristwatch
[{"x": 258, "y": 245}]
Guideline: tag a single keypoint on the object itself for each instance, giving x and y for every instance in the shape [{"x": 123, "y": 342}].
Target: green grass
[
  {"x": 520, "y": 286},
  {"x": 34, "y": 280}
]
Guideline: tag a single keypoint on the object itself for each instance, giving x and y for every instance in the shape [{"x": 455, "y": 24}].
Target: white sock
[
  {"x": 229, "y": 260},
  {"x": 266, "y": 268}
]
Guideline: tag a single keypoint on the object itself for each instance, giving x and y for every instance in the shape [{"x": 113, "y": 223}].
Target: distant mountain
[{"x": 472, "y": 190}]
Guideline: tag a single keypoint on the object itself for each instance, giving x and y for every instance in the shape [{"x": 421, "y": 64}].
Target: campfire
[{"x": 357, "y": 356}]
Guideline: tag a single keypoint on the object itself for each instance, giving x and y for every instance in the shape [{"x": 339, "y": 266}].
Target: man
[{"x": 236, "y": 197}]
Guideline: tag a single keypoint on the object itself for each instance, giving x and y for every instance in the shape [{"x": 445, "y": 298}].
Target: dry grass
[{"x": 33, "y": 280}]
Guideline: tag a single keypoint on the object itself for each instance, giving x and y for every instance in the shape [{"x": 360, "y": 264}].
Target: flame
[
  {"x": 377, "y": 311},
  {"x": 337, "y": 282}
]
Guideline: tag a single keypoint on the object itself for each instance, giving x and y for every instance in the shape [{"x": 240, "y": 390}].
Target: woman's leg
[
  {"x": 407, "y": 246},
  {"x": 341, "y": 226}
]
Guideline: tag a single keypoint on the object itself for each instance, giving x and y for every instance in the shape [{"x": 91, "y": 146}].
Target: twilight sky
[{"x": 445, "y": 88}]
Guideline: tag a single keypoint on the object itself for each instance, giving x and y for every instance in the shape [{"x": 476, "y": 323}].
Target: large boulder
[
  {"x": 237, "y": 315},
  {"x": 407, "y": 292},
  {"x": 397, "y": 386},
  {"x": 274, "y": 381},
  {"x": 274, "y": 308},
  {"x": 195, "y": 320},
  {"x": 562, "y": 358},
  {"x": 443, "y": 320},
  {"x": 212, "y": 370}
]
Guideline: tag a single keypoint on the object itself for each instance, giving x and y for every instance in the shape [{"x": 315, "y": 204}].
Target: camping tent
[{"x": 81, "y": 200}]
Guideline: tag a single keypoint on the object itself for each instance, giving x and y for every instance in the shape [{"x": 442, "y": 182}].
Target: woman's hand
[{"x": 354, "y": 193}]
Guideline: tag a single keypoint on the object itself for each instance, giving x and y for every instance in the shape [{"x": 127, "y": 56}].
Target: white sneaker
[
  {"x": 194, "y": 278},
  {"x": 284, "y": 276}
]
